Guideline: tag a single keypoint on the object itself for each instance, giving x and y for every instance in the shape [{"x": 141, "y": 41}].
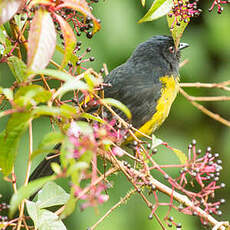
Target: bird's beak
[{"x": 183, "y": 45}]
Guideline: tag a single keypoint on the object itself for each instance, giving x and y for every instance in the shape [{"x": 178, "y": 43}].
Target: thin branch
[
  {"x": 206, "y": 111},
  {"x": 182, "y": 199},
  {"x": 87, "y": 189},
  {"x": 122, "y": 201},
  {"x": 221, "y": 85},
  {"x": 217, "y": 98},
  {"x": 22, "y": 206}
]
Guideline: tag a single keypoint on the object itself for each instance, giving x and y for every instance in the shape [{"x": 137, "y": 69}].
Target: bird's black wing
[{"x": 139, "y": 92}]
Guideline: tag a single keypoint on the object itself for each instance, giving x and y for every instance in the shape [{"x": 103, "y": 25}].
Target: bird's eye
[{"x": 171, "y": 49}]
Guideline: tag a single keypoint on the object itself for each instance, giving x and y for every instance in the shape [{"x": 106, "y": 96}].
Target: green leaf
[
  {"x": 32, "y": 95},
  {"x": 155, "y": 141},
  {"x": 18, "y": 68},
  {"x": 44, "y": 151},
  {"x": 9, "y": 139},
  {"x": 158, "y": 9},
  {"x": 177, "y": 30},
  {"x": 5, "y": 42},
  {"x": 18, "y": 19},
  {"x": 73, "y": 58},
  {"x": 70, "y": 205},
  {"x": 47, "y": 144},
  {"x": 44, "y": 110},
  {"x": 26, "y": 191},
  {"x": 92, "y": 81},
  {"x": 3, "y": 34},
  {"x": 67, "y": 148},
  {"x": 78, "y": 166},
  {"x": 143, "y": 2},
  {"x": 44, "y": 219},
  {"x": 73, "y": 84},
  {"x": 56, "y": 168},
  {"x": 69, "y": 39},
  {"x": 181, "y": 156},
  {"x": 8, "y": 93},
  {"x": 68, "y": 111},
  {"x": 117, "y": 104},
  {"x": 51, "y": 195},
  {"x": 91, "y": 117},
  {"x": 56, "y": 74},
  {"x": 51, "y": 139}
]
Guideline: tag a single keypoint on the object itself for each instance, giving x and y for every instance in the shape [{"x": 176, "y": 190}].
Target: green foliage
[
  {"x": 9, "y": 140},
  {"x": 158, "y": 9},
  {"x": 119, "y": 105},
  {"x": 18, "y": 68},
  {"x": 26, "y": 191}
]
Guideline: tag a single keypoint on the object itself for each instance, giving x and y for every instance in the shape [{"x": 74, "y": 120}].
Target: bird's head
[{"x": 159, "y": 50}]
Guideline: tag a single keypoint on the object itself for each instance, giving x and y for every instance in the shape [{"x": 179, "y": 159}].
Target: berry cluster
[
  {"x": 183, "y": 11},
  {"x": 219, "y": 4},
  {"x": 204, "y": 172},
  {"x": 198, "y": 180}
]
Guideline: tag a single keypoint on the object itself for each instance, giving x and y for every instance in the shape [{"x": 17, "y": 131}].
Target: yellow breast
[{"x": 168, "y": 93}]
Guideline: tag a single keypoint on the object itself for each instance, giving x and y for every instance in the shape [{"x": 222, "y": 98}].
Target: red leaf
[
  {"x": 41, "y": 41},
  {"x": 8, "y": 8},
  {"x": 82, "y": 7},
  {"x": 69, "y": 38}
]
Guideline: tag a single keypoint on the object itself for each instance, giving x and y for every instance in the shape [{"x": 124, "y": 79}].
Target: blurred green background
[{"x": 209, "y": 61}]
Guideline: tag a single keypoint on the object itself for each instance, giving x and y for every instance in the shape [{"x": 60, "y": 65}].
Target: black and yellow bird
[{"x": 147, "y": 83}]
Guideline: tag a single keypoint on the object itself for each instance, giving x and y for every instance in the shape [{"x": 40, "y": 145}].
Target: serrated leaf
[
  {"x": 9, "y": 139},
  {"x": 70, "y": 85},
  {"x": 117, "y": 104},
  {"x": 41, "y": 41},
  {"x": 181, "y": 156},
  {"x": 69, "y": 39},
  {"x": 82, "y": 7},
  {"x": 18, "y": 68},
  {"x": 177, "y": 30},
  {"x": 44, "y": 219},
  {"x": 32, "y": 95},
  {"x": 51, "y": 195},
  {"x": 158, "y": 9},
  {"x": 26, "y": 191},
  {"x": 8, "y": 8}
]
